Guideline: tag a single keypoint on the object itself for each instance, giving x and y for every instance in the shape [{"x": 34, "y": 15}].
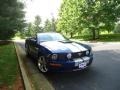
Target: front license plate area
[
  {"x": 86, "y": 58},
  {"x": 78, "y": 61},
  {"x": 82, "y": 65}
]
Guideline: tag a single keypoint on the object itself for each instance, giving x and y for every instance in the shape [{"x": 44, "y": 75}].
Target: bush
[
  {"x": 86, "y": 32},
  {"x": 117, "y": 28}
]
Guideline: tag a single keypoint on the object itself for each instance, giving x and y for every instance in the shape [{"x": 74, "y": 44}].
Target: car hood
[{"x": 63, "y": 47}]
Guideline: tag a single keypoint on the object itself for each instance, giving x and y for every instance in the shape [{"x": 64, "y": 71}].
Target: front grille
[
  {"x": 78, "y": 54},
  {"x": 63, "y": 56}
]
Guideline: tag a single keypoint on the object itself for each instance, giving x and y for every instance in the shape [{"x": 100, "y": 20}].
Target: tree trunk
[
  {"x": 108, "y": 31},
  {"x": 71, "y": 34},
  {"x": 94, "y": 34},
  {"x": 66, "y": 32},
  {"x": 98, "y": 34}
]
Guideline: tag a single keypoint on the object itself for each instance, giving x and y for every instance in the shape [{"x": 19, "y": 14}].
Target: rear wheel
[{"x": 42, "y": 65}]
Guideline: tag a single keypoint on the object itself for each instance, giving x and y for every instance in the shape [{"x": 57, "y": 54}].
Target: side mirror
[{"x": 34, "y": 41}]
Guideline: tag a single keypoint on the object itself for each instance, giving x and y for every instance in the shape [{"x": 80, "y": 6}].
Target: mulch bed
[{"x": 17, "y": 85}]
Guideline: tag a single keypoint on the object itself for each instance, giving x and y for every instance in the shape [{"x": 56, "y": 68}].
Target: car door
[{"x": 34, "y": 48}]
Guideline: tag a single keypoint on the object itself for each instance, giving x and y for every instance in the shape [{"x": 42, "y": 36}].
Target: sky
[{"x": 44, "y": 8}]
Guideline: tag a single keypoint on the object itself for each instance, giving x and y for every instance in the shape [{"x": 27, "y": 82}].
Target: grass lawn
[
  {"x": 103, "y": 38},
  {"x": 109, "y": 38},
  {"x": 9, "y": 69}
]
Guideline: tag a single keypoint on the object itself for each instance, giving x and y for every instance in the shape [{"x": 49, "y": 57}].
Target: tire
[
  {"x": 42, "y": 64},
  {"x": 89, "y": 64}
]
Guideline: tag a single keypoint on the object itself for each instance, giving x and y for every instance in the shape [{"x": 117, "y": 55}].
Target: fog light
[{"x": 69, "y": 55}]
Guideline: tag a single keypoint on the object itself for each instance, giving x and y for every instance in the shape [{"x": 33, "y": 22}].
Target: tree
[
  {"x": 68, "y": 21},
  {"x": 50, "y": 25},
  {"x": 100, "y": 14},
  {"x": 117, "y": 28},
  {"x": 53, "y": 24},
  {"x": 47, "y": 26},
  {"x": 29, "y": 30},
  {"x": 37, "y": 27},
  {"x": 11, "y": 18},
  {"x": 92, "y": 15}
]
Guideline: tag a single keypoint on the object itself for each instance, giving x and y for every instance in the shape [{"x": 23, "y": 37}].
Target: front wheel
[{"x": 42, "y": 65}]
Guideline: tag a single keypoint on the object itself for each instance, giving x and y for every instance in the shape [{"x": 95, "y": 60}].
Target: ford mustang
[{"x": 53, "y": 52}]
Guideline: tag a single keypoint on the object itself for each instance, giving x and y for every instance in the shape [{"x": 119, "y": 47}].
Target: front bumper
[{"x": 70, "y": 65}]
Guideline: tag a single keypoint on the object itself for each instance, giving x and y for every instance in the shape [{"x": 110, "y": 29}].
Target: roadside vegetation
[
  {"x": 9, "y": 68},
  {"x": 11, "y": 18},
  {"x": 103, "y": 38},
  {"x": 81, "y": 19},
  {"x": 78, "y": 19}
]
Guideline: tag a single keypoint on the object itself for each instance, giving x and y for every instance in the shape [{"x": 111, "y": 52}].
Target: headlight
[
  {"x": 87, "y": 52},
  {"x": 69, "y": 55},
  {"x": 54, "y": 56}
]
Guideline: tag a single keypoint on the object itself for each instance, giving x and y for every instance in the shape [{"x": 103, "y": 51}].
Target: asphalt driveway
[{"x": 104, "y": 74}]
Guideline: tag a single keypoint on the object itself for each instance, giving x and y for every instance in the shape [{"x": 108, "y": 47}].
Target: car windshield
[{"x": 50, "y": 37}]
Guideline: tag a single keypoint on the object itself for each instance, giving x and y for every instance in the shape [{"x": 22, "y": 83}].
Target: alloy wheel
[{"x": 42, "y": 65}]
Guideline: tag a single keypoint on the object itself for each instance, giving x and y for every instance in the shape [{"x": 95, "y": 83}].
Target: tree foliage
[
  {"x": 92, "y": 15},
  {"x": 117, "y": 28},
  {"x": 69, "y": 14},
  {"x": 37, "y": 28},
  {"x": 11, "y": 18},
  {"x": 33, "y": 27},
  {"x": 100, "y": 15},
  {"x": 29, "y": 30},
  {"x": 53, "y": 24},
  {"x": 50, "y": 25},
  {"x": 47, "y": 25}
]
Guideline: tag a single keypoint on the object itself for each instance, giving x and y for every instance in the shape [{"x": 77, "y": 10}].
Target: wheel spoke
[{"x": 42, "y": 65}]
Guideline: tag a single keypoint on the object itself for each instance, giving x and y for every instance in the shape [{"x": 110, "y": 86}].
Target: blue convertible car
[{"x": 53, "y": 52}]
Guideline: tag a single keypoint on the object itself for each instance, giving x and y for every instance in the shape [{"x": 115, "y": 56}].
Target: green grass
[
  {"x": 103, "y": 38},
  {"x": 8, "y": 64},
  {"x": 109, "y": 38}
]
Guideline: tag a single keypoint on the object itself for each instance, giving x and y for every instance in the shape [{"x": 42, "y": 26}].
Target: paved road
[{"x": 104, "y": 74}]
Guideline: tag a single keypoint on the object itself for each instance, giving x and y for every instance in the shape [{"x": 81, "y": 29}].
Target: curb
[
  {"x": 26, "y": 80},
  {"x": 37, "y": 80}
]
